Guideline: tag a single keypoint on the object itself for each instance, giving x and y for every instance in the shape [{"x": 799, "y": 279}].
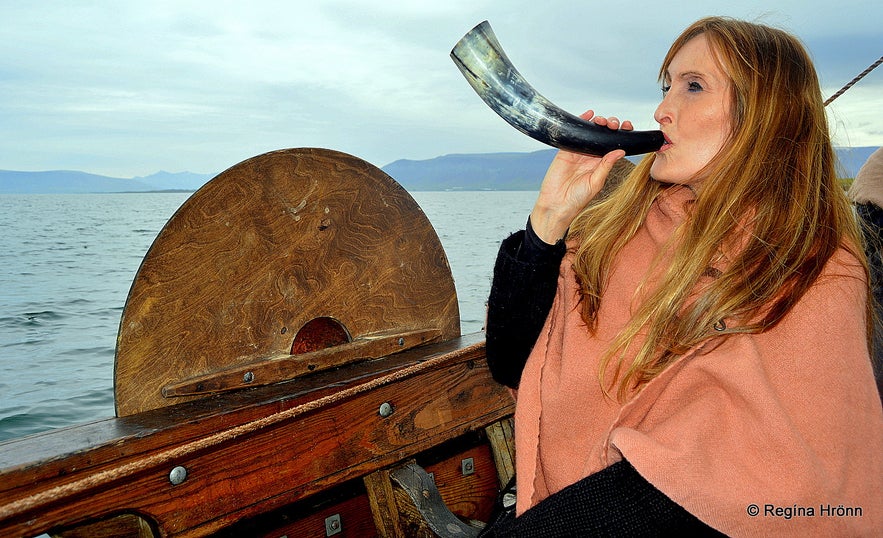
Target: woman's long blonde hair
[{"x": 772, "y": 192}]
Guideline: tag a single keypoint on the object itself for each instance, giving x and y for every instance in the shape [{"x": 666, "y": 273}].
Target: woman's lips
[{"x": 667, "y": 144}]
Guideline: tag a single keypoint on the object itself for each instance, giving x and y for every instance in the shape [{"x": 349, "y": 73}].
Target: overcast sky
[{"x": 128, "y": 88}]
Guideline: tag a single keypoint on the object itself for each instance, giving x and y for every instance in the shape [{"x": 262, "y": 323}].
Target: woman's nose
[{"x": 663, "y": 112}]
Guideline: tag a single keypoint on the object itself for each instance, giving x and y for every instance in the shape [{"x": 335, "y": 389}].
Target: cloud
[{"x": 127, "y": 88}]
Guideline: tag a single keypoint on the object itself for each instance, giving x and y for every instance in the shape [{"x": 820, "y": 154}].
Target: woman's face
[{"x": 695, "y": 114}]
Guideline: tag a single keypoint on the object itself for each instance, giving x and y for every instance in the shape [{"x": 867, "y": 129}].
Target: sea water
[{"x": 67, "y": 263}]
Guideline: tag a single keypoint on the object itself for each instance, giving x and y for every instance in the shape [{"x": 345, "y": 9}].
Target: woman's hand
[{"x": 571, "y": 182}]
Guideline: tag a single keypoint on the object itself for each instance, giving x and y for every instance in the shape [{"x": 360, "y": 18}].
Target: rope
[
  {"x": 853, "y": 81},
  {"x": 33, "y": 502}
]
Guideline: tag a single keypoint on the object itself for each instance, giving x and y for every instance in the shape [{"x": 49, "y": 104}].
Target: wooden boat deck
[{"x": 252, "y": 452}]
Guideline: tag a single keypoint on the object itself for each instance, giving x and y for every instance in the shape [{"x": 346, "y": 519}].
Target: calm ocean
[{"x": 67, "y": 262}]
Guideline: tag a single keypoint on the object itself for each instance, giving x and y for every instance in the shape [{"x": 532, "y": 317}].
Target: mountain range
[
  {"x": 74, "y": 182},
  {"x": 475, "y": 171}
]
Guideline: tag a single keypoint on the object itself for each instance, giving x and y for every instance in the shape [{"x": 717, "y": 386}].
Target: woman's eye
[
  {"x": 665, "y": 88},
  {"x": 694, "y": 87}
]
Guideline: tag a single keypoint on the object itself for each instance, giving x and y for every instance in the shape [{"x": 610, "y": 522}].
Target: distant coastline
[{"x": 512, "y": 171}]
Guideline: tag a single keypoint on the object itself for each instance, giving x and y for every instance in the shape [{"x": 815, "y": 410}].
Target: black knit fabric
[
  {"x": 522, "y": 292},
  {"x": 871, "y": 219},
  {"x": 616, "y": 501}
]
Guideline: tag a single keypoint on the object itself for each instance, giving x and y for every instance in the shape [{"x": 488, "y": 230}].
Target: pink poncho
[{"x": 779, "y": 433}]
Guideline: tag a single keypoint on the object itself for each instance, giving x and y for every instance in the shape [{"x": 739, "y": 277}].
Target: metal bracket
[
  {"x": 420, "y": 487},
  {"x": 333, "y": 525},
  {"x": 467, "y": 466}
]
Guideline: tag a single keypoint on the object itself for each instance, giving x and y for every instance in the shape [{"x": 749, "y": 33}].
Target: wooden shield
[{"x": 305, "y": 251}]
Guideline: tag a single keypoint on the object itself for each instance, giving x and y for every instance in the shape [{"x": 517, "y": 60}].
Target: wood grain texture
[
  {"x": 122, "y": 525},
  {"x": 337, "y": 438},
  {"x": 469, "y": 497},
  {"x": 501, "y": 436},
  {"x": 262, "y": 249},
  {"x": 376, "y": 503},
  {"x": 382, "y": 500}
]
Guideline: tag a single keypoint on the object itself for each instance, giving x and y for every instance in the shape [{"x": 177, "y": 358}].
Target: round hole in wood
[{"x": 319, "y": 333}]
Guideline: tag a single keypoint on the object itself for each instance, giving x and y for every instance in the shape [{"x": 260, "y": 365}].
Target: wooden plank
[
  {"x": 353, "y": 514},
  {"x": 112, "y": 527},
  {"x": 269, "y": 370},
  {"x": 46, "y": 455},
  {"x": 501, "y": 436},
  {"x": 383, "y": 504},
  {"x": 343, "y": 510},
  {"x": 299, "y": 449},
  {"x": 470, "y": 497}
]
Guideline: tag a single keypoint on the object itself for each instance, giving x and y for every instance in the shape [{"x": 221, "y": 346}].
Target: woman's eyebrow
[
  {"x": 691, "y": 74},
  {"x": 686, "y": 74}
]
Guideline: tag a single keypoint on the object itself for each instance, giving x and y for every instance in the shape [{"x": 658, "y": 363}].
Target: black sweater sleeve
[
  {"x": 616, "y": 501},
  {"x": 522, "y": 292}
]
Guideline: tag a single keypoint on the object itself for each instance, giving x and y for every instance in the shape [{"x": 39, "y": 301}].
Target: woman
[{"x": 691, "y": 357}]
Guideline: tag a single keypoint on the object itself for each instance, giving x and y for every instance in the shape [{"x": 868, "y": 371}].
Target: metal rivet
[
  {"x": 385, "y": 409},
  {"x": 333, "y": 525},
  {"x": 401, "y": 341},
  {"x": 178, "y": 475},
  {"x": 248, "y": 377},
  {"x": 284, "y": 330},
  {"x": 467, "y": 466}
]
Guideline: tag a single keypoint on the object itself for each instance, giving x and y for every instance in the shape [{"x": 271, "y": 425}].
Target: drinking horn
[{"x": 490, "y": 73}]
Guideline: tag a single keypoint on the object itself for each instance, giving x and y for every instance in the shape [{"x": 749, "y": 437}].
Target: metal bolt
[
  {"x": 385, "y": 409},
  {"x": 333, "y": 525},
  {"x": 467, "y": 466},
  {"x": 178, "y": 475},
  {"x": 248, "y": 377}
]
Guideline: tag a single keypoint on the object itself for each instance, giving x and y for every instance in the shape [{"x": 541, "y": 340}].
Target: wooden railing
[{"x": 198, "y": 467}]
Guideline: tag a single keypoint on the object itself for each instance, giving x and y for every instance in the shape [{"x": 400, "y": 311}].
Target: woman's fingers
[
  {"x": 611, "y": 122},
  {"x": 598, "y": 177}
]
